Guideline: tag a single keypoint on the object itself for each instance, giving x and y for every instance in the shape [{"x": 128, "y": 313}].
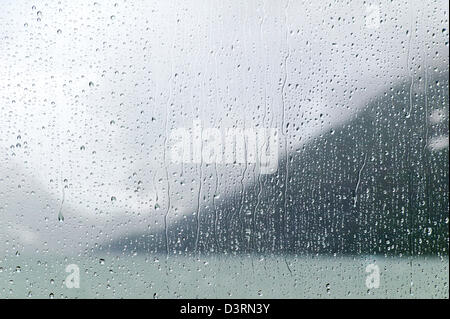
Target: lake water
[{"x": 157, "y": 276}]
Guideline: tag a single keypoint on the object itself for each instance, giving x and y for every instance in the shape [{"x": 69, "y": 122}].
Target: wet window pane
[{"x": 216, "y": 149}]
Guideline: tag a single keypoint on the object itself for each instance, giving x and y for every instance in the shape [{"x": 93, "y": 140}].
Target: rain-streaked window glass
[{"x": 224, "y": 149}]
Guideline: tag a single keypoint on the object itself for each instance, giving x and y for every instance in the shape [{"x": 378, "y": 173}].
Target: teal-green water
[{"x": 223, "y": 277}]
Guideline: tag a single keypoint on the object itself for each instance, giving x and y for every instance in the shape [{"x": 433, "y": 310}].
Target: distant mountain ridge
[{"x": 376, "y": 185}]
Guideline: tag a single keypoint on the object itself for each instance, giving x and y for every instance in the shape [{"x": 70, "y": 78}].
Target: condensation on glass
[{"x": 166, "y": 149}]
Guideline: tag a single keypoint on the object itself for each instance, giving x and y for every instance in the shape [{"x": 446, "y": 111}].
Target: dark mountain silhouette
[{"x": 371, "y": 186}]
